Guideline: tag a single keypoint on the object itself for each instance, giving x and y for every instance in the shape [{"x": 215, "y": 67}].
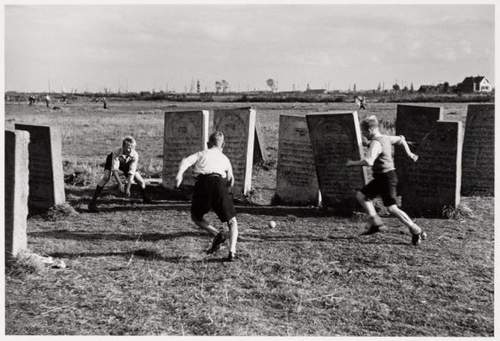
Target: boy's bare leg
[
  {"x": 404, "y": 218},
  {"x": 233, "y": 233},
  {"x": 142, "y": 183},
  {"x": 205, "y": 225},
  {"x": 100, "y": 185}
]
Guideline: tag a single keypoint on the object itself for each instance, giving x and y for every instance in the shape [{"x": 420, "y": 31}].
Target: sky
[{"x": 170, "y": 47}]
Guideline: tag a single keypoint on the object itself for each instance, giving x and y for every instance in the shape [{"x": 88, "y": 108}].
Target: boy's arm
[
  {"x": 373, "y": 152},
  {"x": 230, "y": 176},
  {"x": 183, "y": 166},
  {"x": 132, "y": 170},
  {"x": 402, "y": 141}
]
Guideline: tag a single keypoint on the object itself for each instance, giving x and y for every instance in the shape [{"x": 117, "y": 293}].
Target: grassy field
[{"x": 136, "y": 269}]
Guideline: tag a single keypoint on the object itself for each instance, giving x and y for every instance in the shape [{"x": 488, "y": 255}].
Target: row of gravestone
[
  {"x": 313, "y": 150},
  {"x": 33, "y": 178},
  {"x": 311, "y": 159}
]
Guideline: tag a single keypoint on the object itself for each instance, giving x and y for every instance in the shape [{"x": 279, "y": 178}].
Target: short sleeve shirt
[
  {"x": 211, "y": 161},
  {"x": 120, "y": 160}
]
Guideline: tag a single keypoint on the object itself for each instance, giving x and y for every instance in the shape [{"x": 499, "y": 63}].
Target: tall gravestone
[
  {"x": 478, "y": 158},
  {"x": 434, "y": 180},
  {"x": 16, "y": 191},
  {"x": 238, "y": 126},
  {"x": 336, "y": 138},
  {"x": 297, "y": 182},
  {"x": 185, "y": 133},
  {"x": 414, "y": 123},
  {"x": 46, "y": 182}
]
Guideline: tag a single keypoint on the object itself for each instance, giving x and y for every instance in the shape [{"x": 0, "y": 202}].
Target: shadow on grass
[
  {"x": 147, "y": 237},
  {"x": 140, "y": 253}
]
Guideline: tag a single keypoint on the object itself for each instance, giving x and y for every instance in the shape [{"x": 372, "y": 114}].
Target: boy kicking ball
[
  {"x": 384, "y": 181},
  {"x": 123, "y": 159}
]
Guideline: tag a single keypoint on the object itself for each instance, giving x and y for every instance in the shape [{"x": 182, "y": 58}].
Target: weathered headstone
[
  {"x": 297, "y": 182},
  {"x": 16, "y": 191},
  {"x": 45, "y": 167},
  {"x": 238, "y": 126},
  {"x": 433, "y": 184},
  {"x": 478, "y": 158},
  {"x": 414, "y": 123},
  {"x": 185, "y": 133},
  {"x": 336, "y": 138}
]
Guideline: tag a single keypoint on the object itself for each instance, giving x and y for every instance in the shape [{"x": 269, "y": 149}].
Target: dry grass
[{"x": 137, "y": 269}]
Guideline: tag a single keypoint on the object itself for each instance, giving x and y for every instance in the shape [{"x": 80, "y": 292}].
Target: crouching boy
[{"x": 124, "y": 159}]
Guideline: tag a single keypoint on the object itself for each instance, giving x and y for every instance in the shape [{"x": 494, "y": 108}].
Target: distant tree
[
  {"x": 198, "y": 86},
  {"x": 218, "y": 86},
  {"x": 446, "y": 87},
  {"x": 308, "y": 87},
  {"x": 405, "y": 89},
  {"x": 354, "y": 88},
  {"x": 379, "y": 87},
  {"x": 225, "y": 85},
  {"x": 411, "y": 87},
  {"x": 271, "y": 84},
  {"x": 396, "y": 87}
]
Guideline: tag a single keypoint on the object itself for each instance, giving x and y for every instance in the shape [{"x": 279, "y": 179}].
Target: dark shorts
[
  {"x": 210, "y": 193},
  {"x": 383, "y": 184},
  {"x": 125, "y": 168}
]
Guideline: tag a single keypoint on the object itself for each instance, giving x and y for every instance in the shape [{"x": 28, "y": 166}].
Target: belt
[{"x": 209, "y": 175}]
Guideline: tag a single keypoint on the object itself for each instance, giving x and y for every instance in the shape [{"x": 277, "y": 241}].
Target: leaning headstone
[
  {"x": 238, "y": 126},
  {"x": 414, "y": 123},
  {"x": 433, "y": 184},
  {"x": 259, "y": 150},
  {"x": 478, "y": 158},
  {"x": 45, "y": 167},
  {"x": 297, "y": 182},
  {"x": 336, "y": 138},
  {"x": 16, "y": 191},
  {"x": 185, "y": 133}
]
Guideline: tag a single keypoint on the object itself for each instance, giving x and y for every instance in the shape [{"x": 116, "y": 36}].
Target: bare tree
[{"x": 271, "y": 84}]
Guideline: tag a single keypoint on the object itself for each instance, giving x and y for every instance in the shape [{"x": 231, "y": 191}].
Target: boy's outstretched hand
[
  {"x": 414, "y": 157},
  {"x": 350, "y": 163}
]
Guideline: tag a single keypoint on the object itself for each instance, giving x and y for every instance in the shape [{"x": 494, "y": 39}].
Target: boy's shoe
[
  {"x": 416, "y": 239},
  {"x": 231, "y": 257},
  {"x": 218, "y": 240},
  {"x": 375, "y": 225},
  {"x": 93, "y": 207}
]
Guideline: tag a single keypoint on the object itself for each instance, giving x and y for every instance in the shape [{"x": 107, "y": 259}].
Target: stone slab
[
  {"x": 238, "y": 126},
  {"x": 434, "y": 180},
  {"x": 478, "y": 158},
  {"x": 16, "y": 179},
  {"x": 335, "y": 138},
  {"x": 297, "y": 182},
  {"x": 414, "y": 122},
  {"x": 45, "y": 167},
  {"x": 185, "y": 133}
]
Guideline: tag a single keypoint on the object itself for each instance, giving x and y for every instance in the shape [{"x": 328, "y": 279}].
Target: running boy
[
  {"x": 213, "y": 172},
  {"x": 123, "y": 159},
  {"x": 384, "y": 179}
]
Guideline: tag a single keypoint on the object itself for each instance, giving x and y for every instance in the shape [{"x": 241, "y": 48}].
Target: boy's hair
[
  {"x": 215, "y": 139},
  {"x": 130, "y": 140},
  {"x": 369, "y": 122}
]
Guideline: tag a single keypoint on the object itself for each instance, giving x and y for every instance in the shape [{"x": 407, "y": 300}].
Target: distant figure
[
  {"x": 47, "y": 100},
  {"x": 104, "y": 103},
  {"x": 31, "y": 100},
  {"x": 379, "y": 158},
  {"x": 360, "y": 101}
]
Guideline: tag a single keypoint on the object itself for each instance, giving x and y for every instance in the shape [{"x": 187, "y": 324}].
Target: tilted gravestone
[
  {"x": 414, "y": 123},
  {"x": 433, "y": 184},
  {"x": 297, "y": 182},
  {"x": 16, "y": 191},
  {"x": 238, "y": 126},
  {"x": 45, "y": 167},
  {"x": 336, "y": 138},
  {"x": 478, "y": 158},
  {"x": 185, "y": 133}
]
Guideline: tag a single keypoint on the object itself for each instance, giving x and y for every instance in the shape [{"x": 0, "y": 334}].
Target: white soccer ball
[{"x": 272, "y": 224}]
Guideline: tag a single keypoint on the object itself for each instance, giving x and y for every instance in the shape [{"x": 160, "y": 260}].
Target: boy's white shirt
[
  {"x": 209, "y": 161},
  {"x": 375, "y": 148},
  {"x": 134, "y": 156}
]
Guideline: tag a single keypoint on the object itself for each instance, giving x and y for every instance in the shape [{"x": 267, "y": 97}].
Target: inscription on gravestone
[
  {"x": 238, "y": 126},
  {"x": 16, "y": 191},
  {"x": 414, "y": 123},
  {"x": 185, "y": 133},
  {"x": 335, "y": 138},
  {"x": 46, "y": 179},
  {"x": 478, "y": 163},
  {"x": 297, "y": 182},
  {"x": 434, "y": 180}
]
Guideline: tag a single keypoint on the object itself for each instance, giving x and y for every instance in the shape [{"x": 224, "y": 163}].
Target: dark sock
[{"x": 97, "y": 192}]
